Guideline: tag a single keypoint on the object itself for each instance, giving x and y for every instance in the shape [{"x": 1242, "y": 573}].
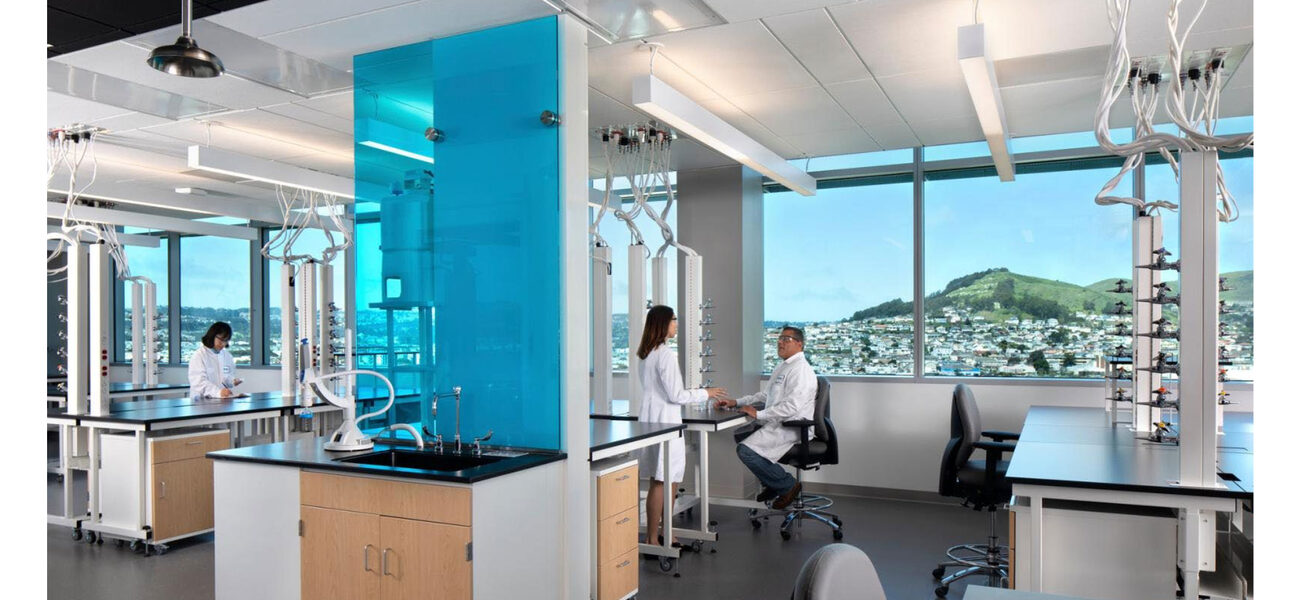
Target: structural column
[{"x": 720, "y": 215}]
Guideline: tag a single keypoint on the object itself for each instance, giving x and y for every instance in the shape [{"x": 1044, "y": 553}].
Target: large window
[
  {"x": 152, "y": 263},
  {"x": 215, "y": 286},
  {"x": 1016, "y": 273},
  {"x": 312, "y": 242},
  {"x": 618, "y": 236},
  {"x": 839, "y": 265},
  {"x": 1236, "y": 259}
]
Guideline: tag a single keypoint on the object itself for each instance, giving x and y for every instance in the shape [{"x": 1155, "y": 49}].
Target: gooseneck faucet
[{"x": 455, "y": 391}]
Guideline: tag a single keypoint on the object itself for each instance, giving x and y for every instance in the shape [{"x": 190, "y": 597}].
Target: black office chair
[
  {"x": 981, "y": 484},
  {"x": 808, "y": 454}
]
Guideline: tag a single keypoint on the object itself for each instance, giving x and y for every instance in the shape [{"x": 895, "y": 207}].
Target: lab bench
[{"x": 293, "y": 521}]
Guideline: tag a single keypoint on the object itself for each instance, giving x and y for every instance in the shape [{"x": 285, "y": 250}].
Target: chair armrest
[
  {"x": 1001, "y": 435},
  {"x": 998, "y": 447},
  {"x": 804, "y": 425}
]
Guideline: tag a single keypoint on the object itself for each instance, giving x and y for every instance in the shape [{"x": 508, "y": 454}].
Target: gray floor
[{"x": 903, "y": 539}]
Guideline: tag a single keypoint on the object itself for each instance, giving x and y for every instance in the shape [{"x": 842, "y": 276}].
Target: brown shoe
[{"x": 787, "y": 497}]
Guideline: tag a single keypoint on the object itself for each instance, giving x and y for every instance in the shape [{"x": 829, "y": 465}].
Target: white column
[
  {"x": 151, "y": 366},
  {"x": 100, "y": 322},
  {"x": 659, "y": 280},
  {"x": 138, "y": 340},
  {"x": 1147, "y": 236},
  {"x": 288, "y": 343},
  {"x": 1199, "y": 318},
  {"x": 635, "y": 322},
  {"x": 602, "y": 308},
  {"x": 689, "y": 321},
  {"x": 325, "y": 339},
  {"x": 78, "y": 330}
]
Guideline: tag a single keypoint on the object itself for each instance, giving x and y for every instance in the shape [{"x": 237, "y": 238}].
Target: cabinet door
[
  {"x": 182, "y": 497},
  {"x": 424, "y": 560},
  {"x": 336, "y": 563}
]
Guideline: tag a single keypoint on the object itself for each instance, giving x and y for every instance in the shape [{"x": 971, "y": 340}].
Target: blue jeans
[{"x": 769, "y": 473}]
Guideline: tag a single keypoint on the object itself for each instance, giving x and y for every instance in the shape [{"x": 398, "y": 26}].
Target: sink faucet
[
  {"x": 419, "y": 441},
  {"x": 478, "y": 450},
  {"x": 455, "y": 391}
]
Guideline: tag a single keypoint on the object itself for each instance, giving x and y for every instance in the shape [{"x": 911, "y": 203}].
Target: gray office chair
[
  {"x": 810, "y": 454},
  {"x": 838, "y": 572},
  {"x": 981, "y": 484}
]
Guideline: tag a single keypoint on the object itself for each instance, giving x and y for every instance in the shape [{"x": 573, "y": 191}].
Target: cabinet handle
[
  {"x": 194, "y": 443},
  {"x": 623, "y": 478},
  {"x": 366, "y": 556},
  {"x": 385, "y": 561},
  {"x": 623, "y": 520},
  {"x": 164, "y": 489},
  {"x": 623, "y": 564}
]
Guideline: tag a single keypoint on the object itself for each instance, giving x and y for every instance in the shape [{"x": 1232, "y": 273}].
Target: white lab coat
[
  {"x": 210, "y": 371},
  {"x": 791, "y": 395},
  {"x": 662, "y": 397}
]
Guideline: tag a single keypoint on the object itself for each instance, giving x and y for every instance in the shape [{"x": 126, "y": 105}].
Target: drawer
[
  {"x": 189, "y": 446},
  {"x": 617, "y": 535},
  {"x": 616, "y": 492},
  {"x": 618, "y": 578},
  {"x": 419, "y": 501}
]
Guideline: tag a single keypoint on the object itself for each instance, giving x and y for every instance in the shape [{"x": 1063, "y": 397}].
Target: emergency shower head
[{"x": 185, "y": 57}]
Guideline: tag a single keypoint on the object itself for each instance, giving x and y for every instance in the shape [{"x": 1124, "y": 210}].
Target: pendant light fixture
[{"x": 185, "y": 58}]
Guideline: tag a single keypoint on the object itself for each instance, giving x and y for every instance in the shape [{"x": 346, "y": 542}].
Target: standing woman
[
  {"x": 662, "y": 398},
  {"x": 212, "y": 369}
]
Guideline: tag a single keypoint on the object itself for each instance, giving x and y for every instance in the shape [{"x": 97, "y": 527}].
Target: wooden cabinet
[
  {"x": 167, "y": 488},
  {"x": 617, "y": 518},
  {"x": 384, "y": 539}
]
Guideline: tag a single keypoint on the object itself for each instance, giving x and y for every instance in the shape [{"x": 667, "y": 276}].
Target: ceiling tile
[
  {"x": 62, "y": 110},
  {"x": 819, "y": 45},
  {"x": 122, "y": 60},
  {"x": 267, "y": 18},
  {"x": 300, "y": 112},
  {"x": 928, "y": 95},
  {"x": 335, "y": 42},
  {"x": 750, "y": 127},
  {"x": 301, "y": 133},
  {"x": 229, "y": 138},
  {"x": 865, "y": 102},
  {"x": 806, "y": 110},
  {"x": 325, "y": 162},
  {"x": 1074, "y": 101},
  {"x": 735, "y": 59},
  {"x": 947, "y": 131},
  {"x": 893, "y": 137},
  {"x": 735, "y": 11},
  {"x": 337, "y": 105},
  {"x": 903, "y": 36},
  {"x": 830, "y": 143}
]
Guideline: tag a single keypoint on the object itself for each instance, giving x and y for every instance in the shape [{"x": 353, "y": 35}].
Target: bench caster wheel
[
  {"x": 665, "y": 564},
  {"x": 119, "y": 543},
  {"x": 785, "y": 535},
  {"x": 941, "y": 591},
  {"x": 837, "y": 534},
  {"x": 77, "y": 534},
  {"x": 697, "y": 546},
  {"x": 134, "y": 546},
  {"x": 91, "y": 537}
]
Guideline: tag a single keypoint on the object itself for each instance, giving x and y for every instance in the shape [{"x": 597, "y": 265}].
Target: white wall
[
  {"x": 892, "y": 434},
  {"x": 264, "y": 379}
]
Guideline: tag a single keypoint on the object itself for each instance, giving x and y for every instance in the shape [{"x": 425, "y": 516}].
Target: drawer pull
[
  {"x": 623, "y": 478},
  {"x": 623, "y": 564},
  {"x": 164, "y": 489},
  {"x": 624, "y": 520},
  {"x": 385, "y": 561},
  {"x": 194, "y": 443},
  {"x": 366, "y": 556}
]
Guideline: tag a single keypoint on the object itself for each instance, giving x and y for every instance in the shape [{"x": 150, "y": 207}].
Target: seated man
[{"x": 790, "y": 395}]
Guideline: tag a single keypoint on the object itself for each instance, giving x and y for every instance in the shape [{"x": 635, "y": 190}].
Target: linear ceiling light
[
  {"x": 675, "y": 110},
  {"x": 237, "y": 165},
  {"x": 393, "y": 139},
  {"x": 982, "y": 81}
]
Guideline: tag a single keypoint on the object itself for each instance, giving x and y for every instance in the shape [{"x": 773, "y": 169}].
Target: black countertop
[
  {"x": 692, "y": 414},
  {"x": 1077, "y": 447},
  {"x": 609, "y": 433},
  {"x": 311, "y": 454},
  {"x": 151, "y": 412}
]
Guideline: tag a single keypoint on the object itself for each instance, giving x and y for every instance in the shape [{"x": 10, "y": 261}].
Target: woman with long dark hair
[{"x": 663, "y": 395}]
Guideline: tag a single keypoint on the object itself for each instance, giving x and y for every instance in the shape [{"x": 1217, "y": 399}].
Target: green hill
[
  {"x": 1241, "y": 286},
  {"x": 999, "y": 294}
]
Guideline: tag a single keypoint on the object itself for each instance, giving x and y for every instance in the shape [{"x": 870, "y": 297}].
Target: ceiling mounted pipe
[{"x": 185, "y": 58}]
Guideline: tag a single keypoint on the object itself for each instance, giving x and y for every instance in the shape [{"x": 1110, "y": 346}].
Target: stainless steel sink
[{"x": 424, "y": 460}]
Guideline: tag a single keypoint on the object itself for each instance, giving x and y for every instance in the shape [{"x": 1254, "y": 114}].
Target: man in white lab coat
[{"x": 790, "y": 395}]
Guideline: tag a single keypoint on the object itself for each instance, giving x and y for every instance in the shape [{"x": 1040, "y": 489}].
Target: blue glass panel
[{"x": 469, "y": 235}]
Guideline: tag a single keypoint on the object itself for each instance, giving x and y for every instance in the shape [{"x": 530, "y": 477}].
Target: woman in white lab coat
[
  {"x": 212, "y": 369},
  {"x": 661, "y": 402}
]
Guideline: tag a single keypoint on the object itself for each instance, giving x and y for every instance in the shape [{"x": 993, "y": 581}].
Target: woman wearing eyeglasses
[
  {"x": 663, "y": 395},
  {"x": 212, "y": 369}
]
